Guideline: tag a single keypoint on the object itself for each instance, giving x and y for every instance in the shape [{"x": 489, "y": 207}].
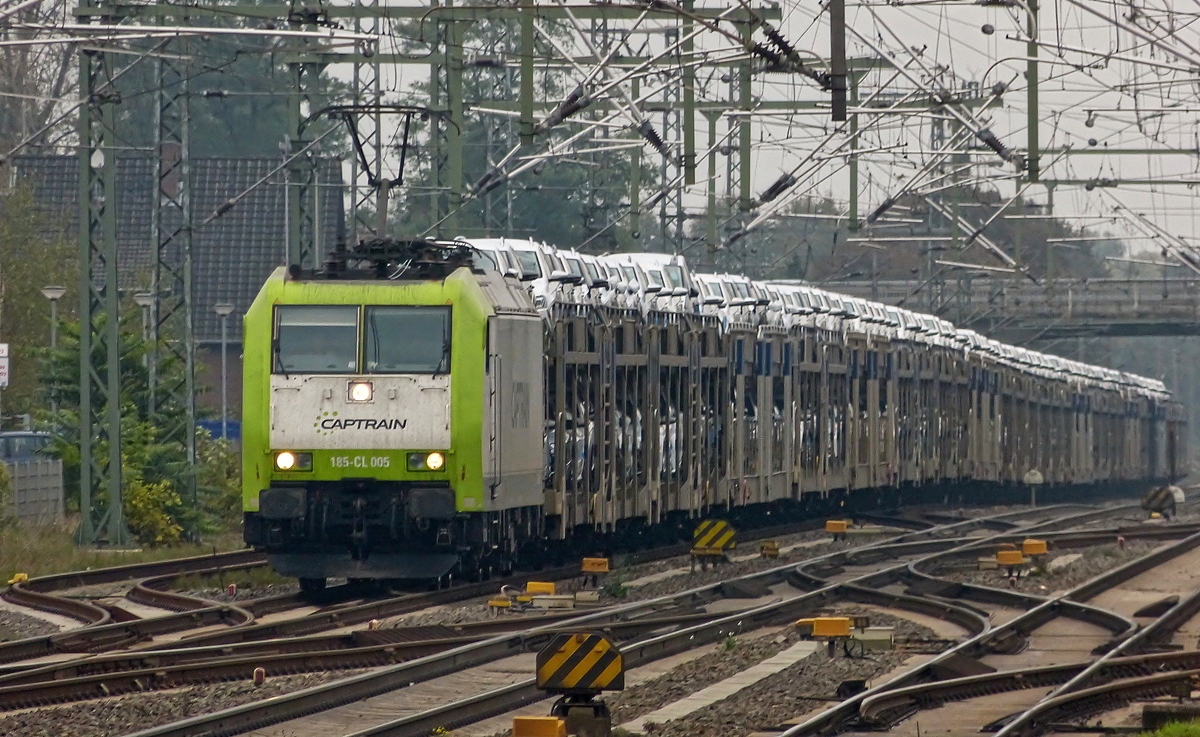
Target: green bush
[
  {"x": 159, "y": 482},
  {"x": 219, "y": 481},
  {"x": 7, "y": 513},
  {"x": 614, "y": 586},
  {"x": 148, "y": 508}
]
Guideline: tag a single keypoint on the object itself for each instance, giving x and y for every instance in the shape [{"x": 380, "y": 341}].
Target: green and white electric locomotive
[{"x": 365, "y": 450}]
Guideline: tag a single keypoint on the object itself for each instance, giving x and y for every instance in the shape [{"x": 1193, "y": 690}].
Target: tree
[
  {"x": 238, "y": 103},
  {"x": 570, "y": 201},
  {"x": 35, "y": 80},
  {"x": 154, "y": 473},
  {"x": 798, "y": 245},
  {"x": 32, "y": 255}
]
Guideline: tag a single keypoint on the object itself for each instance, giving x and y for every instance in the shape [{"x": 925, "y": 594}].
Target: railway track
[
  {"x": 1133, "y": 676},
  {"x": 108, "y": 634},
  {"x": 638, "y": 650},
  {"x": 38, "y": 593},
  {"x": 114, "y": 675},
  {"x": 864, "y": 588},
  {"x": 104, "y": 633},
  {"x": 185, "y": 662}
]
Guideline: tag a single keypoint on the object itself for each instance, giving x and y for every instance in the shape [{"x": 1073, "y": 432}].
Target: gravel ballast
[
  {"x": 135, "y": 712},
  {"x": 1041, "y": 581},
  {"x": 245, "y": 592},
  {"x": 17, "y": 626},
  {"x": 805, "y": 686},
  {"x": 477, "y": 610},
  {"x": 772, "y": 700}
]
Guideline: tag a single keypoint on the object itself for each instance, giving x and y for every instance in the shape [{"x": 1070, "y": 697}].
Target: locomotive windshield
[
  {"x": 408, "y": 340},
  {"x": 316, "y": 339}
]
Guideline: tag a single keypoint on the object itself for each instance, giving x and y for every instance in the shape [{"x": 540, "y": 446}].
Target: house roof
[{"x": 232, "y": 256}]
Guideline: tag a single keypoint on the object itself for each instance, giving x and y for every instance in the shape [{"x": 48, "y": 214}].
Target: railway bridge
[{"x": 1022, "y": 312}]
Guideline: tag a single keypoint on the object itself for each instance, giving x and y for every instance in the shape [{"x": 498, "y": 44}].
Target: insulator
[
  {"x": 490, "y": 181},
  {"x": 574, "y": 102},
  {"x": 778, "y": 39},
  {"x": 989, "y": 139},
  {"x": 879, "y": 211},
  {"x": 766, "y": 53},
  {"x": 778, "y": 187},
  {"x": 647, "y": 131}
]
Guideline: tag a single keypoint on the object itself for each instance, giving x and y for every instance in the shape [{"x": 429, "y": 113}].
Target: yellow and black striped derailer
[
  {"x": 579, "y": 664},
  {"x": 712, "y": 541}
]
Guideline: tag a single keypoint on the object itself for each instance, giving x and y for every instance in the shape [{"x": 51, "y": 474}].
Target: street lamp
[
  {"x": 144, "y": 300},
  {"x": 53, "y": 293},
  {"x": 223, "y": 310}
]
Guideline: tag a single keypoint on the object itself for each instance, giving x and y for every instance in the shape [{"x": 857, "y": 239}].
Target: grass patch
[
  {"x": 614, "y": 584},
  {"x": 1176, "y": 729},
  {"x": 40, "y": 551}
]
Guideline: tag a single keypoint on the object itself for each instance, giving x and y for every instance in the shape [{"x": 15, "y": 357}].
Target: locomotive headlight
[
  {"x": 360, "y": 391},
  {"x": 286, "y": 460},
  {"x": 434, "y": 461}
]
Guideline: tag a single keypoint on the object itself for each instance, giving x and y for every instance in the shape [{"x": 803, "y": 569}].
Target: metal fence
[{"x": 37, "y": 491}]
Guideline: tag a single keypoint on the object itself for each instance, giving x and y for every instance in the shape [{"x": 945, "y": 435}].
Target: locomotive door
[{"x": 512, "y": 442}]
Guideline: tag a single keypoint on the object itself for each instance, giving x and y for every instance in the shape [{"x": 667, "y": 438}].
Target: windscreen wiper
[{"x": 277, "y": 359}]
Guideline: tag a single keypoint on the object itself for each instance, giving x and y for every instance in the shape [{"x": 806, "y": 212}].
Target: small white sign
[{"x": 3, "y": 365}]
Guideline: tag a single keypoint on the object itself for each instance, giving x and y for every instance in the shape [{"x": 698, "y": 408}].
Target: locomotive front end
[{"x": 354, "y": 463}]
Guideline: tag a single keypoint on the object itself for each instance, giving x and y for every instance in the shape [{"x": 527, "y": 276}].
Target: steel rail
[
  {"x": 154, "y": 591},
  {"x": 1117, "y": 662},
  {"x": 511, "y": 697},
  {"x": 112, "y": 574},
  {"x": 832, "y": 719},
  {"x": 115, "y": 635},
  {"x": 1033, "y": 719},
  {"x": 403, "y": 636},
  {"x": 83, "y": 611},
  {"x": 1102, "y": 698},
  {"x": 36, "y": 593},
  {"x": 321, "y": 621},
  {"x": 52, "y": 684},
  {"x": 654, "y": 648},
  {"x": 319, "y": 698},
  {"x": 1120, "y": 626},
  {"x": 105, "y": 634},
  {"x": 885, "y": 709}
]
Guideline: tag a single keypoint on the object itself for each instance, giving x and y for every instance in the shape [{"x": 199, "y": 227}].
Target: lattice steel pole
[
  {"x": 367, "y": 92},
  {"x": 670, "y": 199},
  {"x": 455, "y": 133},
  {"x": 173, "y": 396},
  {"x": 99, "y": 309},
  {"x": 301, "y": 167},
  {"x": 445, "y": 126}
]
